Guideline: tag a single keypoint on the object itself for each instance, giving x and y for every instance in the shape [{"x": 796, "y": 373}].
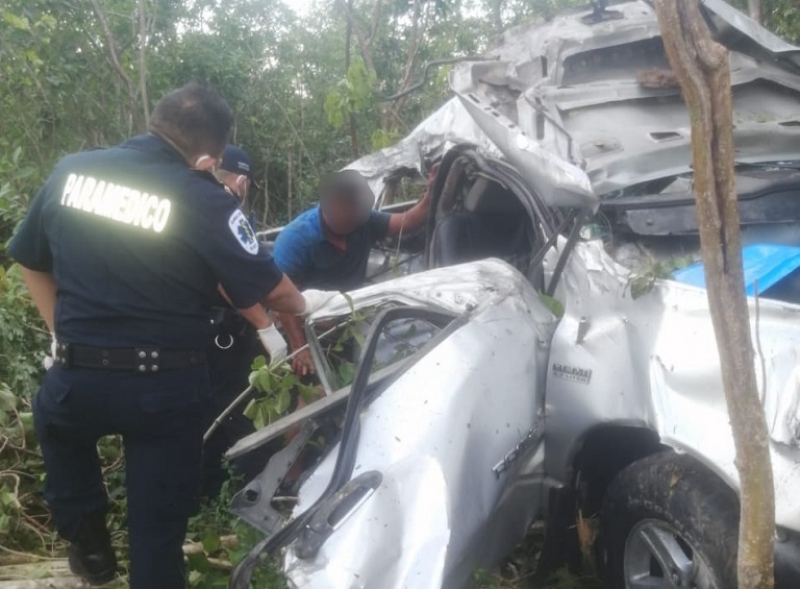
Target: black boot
[{"x": 91, "y": 556}]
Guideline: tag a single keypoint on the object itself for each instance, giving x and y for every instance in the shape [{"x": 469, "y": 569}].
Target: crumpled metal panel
[
  {"x": 561, "y": 101},
  {"x": 456, "y": 289},
  {"x": 653, "y": 363},
  {"x": 437, "y": 435},
  {"x": 750, "y": 28},
  {"x": 559, "y": 183},
  {"x": 451, "y": 124}
]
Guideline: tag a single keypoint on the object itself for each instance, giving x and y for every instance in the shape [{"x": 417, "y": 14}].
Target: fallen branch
[
  {"x": 226, "y": 542},
  {"x": 243, "y": 395}
]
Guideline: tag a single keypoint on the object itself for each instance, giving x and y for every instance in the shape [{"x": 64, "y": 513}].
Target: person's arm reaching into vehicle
[
  {"x": 414, "y": 217},
  {"x": 268, "y": 334},
  {"x": 302, "y": 362},
  {"x": 283, "y": 300}
]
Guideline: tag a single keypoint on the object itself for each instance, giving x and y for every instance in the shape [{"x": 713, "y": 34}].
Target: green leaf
[
  {"x": 259, "y": 362},
  {"x": 264, "y": 381},
  {"x": 641, "y": 285},
  {"x": 8, "y": 400},
  {"x": 211, "y": 543},
  {"x": 195, "y": 578},
  {"x": 251, "y": 409},
  {"x": 350, "y": 302},
  {"x": 20, "y": 23},
  {"x": 308, "y": 393},
  {"x": 555, "y": 306},
  {"x": 346, "y": 372},
  {"x": 282, "y": 402}
]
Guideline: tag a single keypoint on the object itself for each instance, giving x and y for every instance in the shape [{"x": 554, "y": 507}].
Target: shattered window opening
[{"x": 398, "y": 341}]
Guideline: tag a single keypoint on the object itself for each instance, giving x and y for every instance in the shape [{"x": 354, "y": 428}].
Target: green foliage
[
  {"x": 351, "y": 96},
  {"x": 519, "y": 571},
  {"x": 276, "y": 384},
  {"x": 382, "y": 138},
  {"x": 556, "y": 307},
  {"x": 284, "y": 75},
  {"x": 783, "y": 17},
  {"x": 644, "y": 280},
  {"x": 224, "y": 540}
]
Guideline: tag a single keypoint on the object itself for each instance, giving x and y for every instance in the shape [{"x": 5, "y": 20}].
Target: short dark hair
[
  {"x": 346, "y": 185},
  {"x": 195, "y": 118}
]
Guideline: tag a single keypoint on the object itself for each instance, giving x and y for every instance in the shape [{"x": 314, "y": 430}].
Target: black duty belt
[{"x": 132, "y": 359}]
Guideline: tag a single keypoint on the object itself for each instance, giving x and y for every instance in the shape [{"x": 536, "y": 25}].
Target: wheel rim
[{"x": 657, "y": 557}]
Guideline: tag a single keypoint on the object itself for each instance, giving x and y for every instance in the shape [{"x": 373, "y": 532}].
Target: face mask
[{"x": 241, "y": 187}]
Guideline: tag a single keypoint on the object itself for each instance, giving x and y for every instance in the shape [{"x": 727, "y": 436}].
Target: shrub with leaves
[
  {"x": 642, "y": 282},
  {"x": 275, "y": 385}
]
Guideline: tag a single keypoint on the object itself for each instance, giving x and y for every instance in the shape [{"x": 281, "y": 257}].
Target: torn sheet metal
[
  {"x": 653, "y": 364},
  {"x": 457, "y": 439},
  {"x": 581, "y": 109},
  {"x": 456, "y": 289},
  {"x": 450, "y": 125}
]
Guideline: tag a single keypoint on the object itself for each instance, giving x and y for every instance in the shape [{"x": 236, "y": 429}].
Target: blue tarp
[{"x": 766, "y": 263}]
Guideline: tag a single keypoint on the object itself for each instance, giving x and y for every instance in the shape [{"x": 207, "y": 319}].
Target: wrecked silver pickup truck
[{"x": 518, "y": 377}]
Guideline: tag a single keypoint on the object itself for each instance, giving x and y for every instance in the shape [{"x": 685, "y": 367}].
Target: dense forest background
[{"x": 314, "y": 85}]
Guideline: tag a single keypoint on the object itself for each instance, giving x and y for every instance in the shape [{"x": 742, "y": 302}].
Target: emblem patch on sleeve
[{"x": 243, "y": 232}]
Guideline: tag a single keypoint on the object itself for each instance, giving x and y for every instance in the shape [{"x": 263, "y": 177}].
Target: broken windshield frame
[{"x": 336, "y": 355}]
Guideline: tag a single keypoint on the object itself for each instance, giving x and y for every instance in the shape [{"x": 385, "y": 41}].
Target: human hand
[
  {"x": 303, "y": 363},
  {"x": 274, "y": 344},
  {"x": 431, "y": 181}
]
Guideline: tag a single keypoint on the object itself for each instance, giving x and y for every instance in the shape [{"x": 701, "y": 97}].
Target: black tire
[{"x": 672, "y": 497}]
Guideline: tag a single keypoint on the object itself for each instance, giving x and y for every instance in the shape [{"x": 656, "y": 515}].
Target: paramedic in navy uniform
[
  {"x": 123, "y": 250},
  {"x": 231, "y": 354}
]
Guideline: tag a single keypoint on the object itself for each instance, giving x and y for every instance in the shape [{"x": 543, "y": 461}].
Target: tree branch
[
  {"x": 373, "y": 31},
  {"x": 143, "y": 62},
  {"x": 363, "y": 43},
  {"x": 114, "y": 58},
  {"x": 754, "y": 9}
]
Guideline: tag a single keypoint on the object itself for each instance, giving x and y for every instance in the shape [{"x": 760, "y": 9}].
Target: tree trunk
[
  {"x": 497, "y": 17},
  {"x": 143, "y": 62},
  {"x": 289, "y": 189},
  {"x": 701, "y": 67},
  {"x": 113, "y": 57},
  {"x": 754, "y": 9},
  {"x": 265, "y": 217},
  {"x": 351, "y": 116}
]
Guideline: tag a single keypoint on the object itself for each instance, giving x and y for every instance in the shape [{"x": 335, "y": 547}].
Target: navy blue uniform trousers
[
  {"x": 160, "y": 417},
  {"x": 229, "y": 371}
]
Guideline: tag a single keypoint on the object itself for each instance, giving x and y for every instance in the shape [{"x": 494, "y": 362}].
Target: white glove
[
  {"x": 48, "y": 360},
  {"x": 316, "y": 299},
  {"x": 274, "y": 344}
]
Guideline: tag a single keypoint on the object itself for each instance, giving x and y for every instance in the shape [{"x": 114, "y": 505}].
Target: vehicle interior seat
[{"x": 488, "y": 222}]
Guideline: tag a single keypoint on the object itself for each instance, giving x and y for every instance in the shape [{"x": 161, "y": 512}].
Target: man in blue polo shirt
[{"x": 328, "y": 246}]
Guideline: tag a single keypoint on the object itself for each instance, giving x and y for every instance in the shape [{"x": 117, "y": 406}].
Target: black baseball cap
[{"x": 236, "y": 160}]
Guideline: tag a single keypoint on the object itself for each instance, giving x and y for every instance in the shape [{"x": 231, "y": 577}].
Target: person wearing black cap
[
  {"x": 231, "y": 355},
  {"x": 328, "y": 246},
  {"x": 236, "y": 172}
]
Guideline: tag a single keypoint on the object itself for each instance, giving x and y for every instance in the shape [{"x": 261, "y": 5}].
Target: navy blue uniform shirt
[
  {"x": 138, "y": 242},
  {"x": 304, "y": 253}
]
